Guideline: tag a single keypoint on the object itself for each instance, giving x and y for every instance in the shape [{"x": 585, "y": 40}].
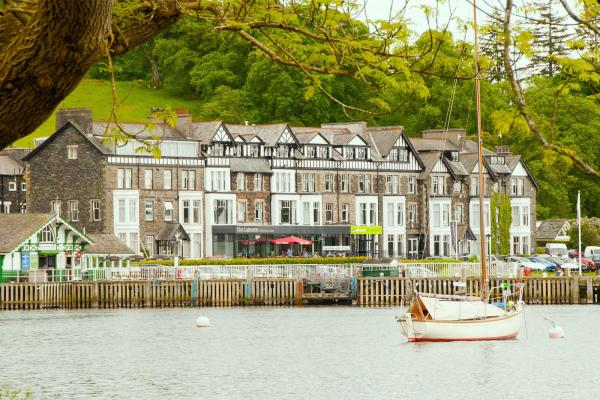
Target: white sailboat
[{"x": 430, "y": 317}]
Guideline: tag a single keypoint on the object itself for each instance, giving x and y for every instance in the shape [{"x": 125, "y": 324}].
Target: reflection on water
[{"x": 289, "y": 353}]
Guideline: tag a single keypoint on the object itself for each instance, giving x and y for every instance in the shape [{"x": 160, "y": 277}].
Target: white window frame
[
  {"x": 148, "y": 178},
  {"x": 258, "y": 182},
  {"x": 167, "y": 179},
  {"x": 259, "y": 209},
  {"x": 168, "y": 207},
  {"x": 345, "y": 183},
  {"x": 148, "y": 210},
  {"x": 242, "y": 206},
  {"x": 95, "y": 206},
  {"x": 329, "y": 182},
  {"x": 412, "y": 185},
  {"x": 73, "y": 210},
  {"x": 72, "y": 152},
  {"x": 345, "y": 213}
]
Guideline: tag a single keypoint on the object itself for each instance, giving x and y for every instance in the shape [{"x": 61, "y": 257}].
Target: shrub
[
  {"x": 432, "y": 260},
  {"x": 258, "y": 261},
  {"x": 540, "y": 250}
]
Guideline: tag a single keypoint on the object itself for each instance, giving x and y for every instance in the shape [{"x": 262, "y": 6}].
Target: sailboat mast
[{"x": 481, "y": 188}]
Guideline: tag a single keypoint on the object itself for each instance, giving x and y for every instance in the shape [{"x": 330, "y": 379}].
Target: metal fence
[{"x": 310, "y": 272}]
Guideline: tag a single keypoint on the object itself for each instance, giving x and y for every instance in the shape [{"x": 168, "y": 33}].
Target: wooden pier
[
  {"x": 365, "y": 291},
  {"x": 551, "y": 290},
  {"x": 152, "y": 294}
]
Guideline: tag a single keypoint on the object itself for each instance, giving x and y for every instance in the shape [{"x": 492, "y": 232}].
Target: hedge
[
  {"x": 429, "y": 260},
  {"x": 258, "y": 261}
]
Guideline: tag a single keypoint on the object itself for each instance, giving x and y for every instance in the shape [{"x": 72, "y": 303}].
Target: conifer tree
[{"x": 550, "y": 34}]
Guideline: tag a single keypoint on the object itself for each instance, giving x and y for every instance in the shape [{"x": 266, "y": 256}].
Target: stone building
[
  {"x": 13, "y": 187},
  {"x": 221, "y": 189}
]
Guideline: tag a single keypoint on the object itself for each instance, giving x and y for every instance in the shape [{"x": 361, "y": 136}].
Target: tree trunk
[
  {"x": 45, "y": 61},
  {"x": 154, "y": 66}
]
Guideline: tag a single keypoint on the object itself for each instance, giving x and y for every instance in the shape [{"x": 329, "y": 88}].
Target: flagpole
[{"x": 579, "y": 226}]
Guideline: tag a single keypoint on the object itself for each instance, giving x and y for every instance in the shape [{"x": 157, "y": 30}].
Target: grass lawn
[{"x": 137, "y": 99}]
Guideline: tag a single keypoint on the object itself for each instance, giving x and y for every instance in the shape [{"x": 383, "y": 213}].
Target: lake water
[{"x": 289, "y": 353}]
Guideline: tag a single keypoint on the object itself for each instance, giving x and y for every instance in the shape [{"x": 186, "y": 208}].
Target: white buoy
[
  {"x": 202, "y": 322},
  {"x": 556, "y": 332}
]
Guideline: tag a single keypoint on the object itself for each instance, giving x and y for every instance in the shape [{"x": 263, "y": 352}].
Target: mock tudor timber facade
[{"x": 222, "y": 189}]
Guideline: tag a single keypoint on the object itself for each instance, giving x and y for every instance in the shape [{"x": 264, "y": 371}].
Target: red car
[{"x": 586, "y": 263}]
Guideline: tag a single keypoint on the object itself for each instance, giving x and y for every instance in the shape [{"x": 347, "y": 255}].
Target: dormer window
[
  {"x": 398, "y": 154},
  {"x": 310, "y": 151},
  {"x": 322, "y": 152},
  {"x": 499, "y": 160},
  {"x": 283, "y": 151},
  {"x": 252, "y": 150},
  {"x": 454, "y": 156},
  {"x": 360, "y": 153},
  {"x": 218, "y": 149}
]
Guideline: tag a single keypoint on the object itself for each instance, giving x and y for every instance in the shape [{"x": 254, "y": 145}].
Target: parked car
[
  {"x": 586, "y": 263},
  {"x": 557, "y": 249},
  {"x": 523, "y": 262},
  {"x": 565, "y": 263},
  {"x": 550, "y": 266},
  {"x": 417, "y": 272},
  {"x": 592, "y": 252}
]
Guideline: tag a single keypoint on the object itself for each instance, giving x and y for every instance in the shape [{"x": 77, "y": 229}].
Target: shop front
[
  {"x": 365, "y": 240},
  {"x": 257, "y": 241}
]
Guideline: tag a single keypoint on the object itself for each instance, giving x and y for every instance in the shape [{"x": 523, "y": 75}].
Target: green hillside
[{"x": 137, "y": 99}]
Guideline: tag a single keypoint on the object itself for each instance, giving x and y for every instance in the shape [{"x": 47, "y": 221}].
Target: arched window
[{"x": 46, "y": 235}]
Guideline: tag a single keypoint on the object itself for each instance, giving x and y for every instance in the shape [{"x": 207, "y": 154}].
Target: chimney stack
[
  {"x": 503, "y": 150},
  {"x": 82, "y": 117},
  {"x": 184, "y": 121}
]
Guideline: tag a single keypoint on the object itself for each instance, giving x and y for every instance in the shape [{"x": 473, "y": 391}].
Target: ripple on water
[{"x": 288, "y": 353}]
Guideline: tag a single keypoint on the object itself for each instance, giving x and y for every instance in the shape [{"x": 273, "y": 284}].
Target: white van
[
  {"x": 557, "y": 249},
  {"x": 591, "y": 252}
]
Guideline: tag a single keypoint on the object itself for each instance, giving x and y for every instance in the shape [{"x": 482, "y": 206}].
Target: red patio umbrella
[{"x": 291, "y": 240}]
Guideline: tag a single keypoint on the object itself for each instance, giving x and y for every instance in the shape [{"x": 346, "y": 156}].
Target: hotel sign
[
  {"x": 254, "y": 229},
  {"x": 336, "y": 248},
  {"x": 366, "y": 230}
]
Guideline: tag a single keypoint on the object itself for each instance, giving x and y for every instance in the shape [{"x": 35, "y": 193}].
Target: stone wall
[{"x": 52, "y": 176}]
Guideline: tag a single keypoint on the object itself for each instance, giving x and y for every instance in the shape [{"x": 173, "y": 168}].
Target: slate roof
[
  {"x": 9, "y": 165},
  {"x": 306, "y": 134},
  {"x": 250, "y": 165},
  {"x": 170, "y": 229},
  {"x": 204, "y": 131},
  {"x": 95, "y": 142},
  {"x": 339, "y": 136},
  {"x": 549, "y": 229},
  {"x": 16, "y": 228},
  {"x": 354, "y": 127},
  {"x": 269, "y": 133},
  {"x": 433, "y": 144},
  {"x": 384, "y": 138},
  {"x": 429, "y": 161},
  {"x": 457, "y": 168},
  {"x": 469, "y": 161},
  {"x": 470, "y": 146},
  {"x": 464, "y": 232},
  {"x": 17, "y": 153},
  {"x": 501, "y": 169},
  {"x": 107, "y": 244}
]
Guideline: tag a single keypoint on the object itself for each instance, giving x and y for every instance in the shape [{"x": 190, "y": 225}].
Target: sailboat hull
[{"x": 500, "y": 328}]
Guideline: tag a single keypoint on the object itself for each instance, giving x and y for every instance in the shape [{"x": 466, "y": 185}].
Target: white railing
[
  {"x": 310, "y": 272},
  {"x": 498, "y": 269}
]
